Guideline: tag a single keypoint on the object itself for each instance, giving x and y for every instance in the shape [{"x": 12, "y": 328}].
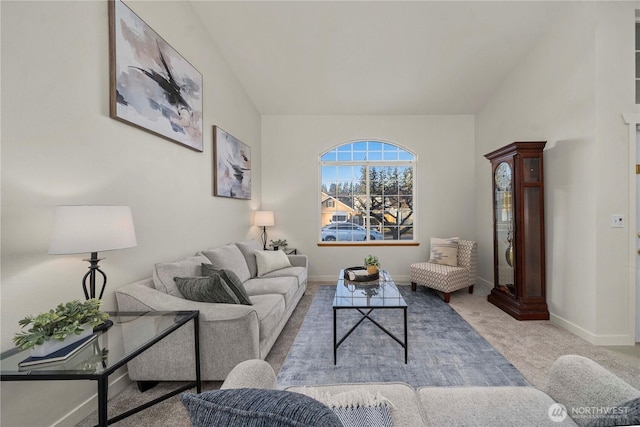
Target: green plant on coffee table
[
  {"x": 278, "y": 244},
  {"x": 67, "y": 319},
  {"x": 371, "y": 260}
]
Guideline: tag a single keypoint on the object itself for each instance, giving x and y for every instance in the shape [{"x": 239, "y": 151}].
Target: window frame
[{"x": 367, "y": 164}]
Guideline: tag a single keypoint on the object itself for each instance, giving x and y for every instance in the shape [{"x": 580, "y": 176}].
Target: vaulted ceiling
[{"x": 374, "y": 57}]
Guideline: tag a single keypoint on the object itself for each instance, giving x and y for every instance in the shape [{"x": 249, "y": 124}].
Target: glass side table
[{"x": 109, "y": 352}]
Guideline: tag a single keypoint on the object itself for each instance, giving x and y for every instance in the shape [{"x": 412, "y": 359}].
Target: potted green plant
[
  {"x": 59, "y": 327},
  {"x": 278, "y": 244},
  {"x": 372, "y": 264}
]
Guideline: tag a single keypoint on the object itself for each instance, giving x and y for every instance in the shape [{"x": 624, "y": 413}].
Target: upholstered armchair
[{"x": 448, "y": 278}]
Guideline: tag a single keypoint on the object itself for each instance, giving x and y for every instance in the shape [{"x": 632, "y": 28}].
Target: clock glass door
[{"x": 504, "y": 231}]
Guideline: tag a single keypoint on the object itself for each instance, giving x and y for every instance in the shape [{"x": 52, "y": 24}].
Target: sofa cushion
[
  {"x": 300, "y": 273},
  {"x": 229, "y": 258},
  {"x": 444, "y": 251},
  {"x": 255, "y": 407},
  {"x": 231, "y": 279},
  {"x": 163, "y": 273},
  {"x": 487, "y": 406},
  {"x": 269, "y": 261},
  {"x": 284, "y": 286},
  {"x": 248, "y": 250},
  {"x": 206, "y": 289}
]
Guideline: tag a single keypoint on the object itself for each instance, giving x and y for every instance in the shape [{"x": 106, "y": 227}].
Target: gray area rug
[{"x": 444, "y": 350}]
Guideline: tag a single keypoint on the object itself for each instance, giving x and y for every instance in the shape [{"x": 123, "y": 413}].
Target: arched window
[{"x": 366, "y": 193}]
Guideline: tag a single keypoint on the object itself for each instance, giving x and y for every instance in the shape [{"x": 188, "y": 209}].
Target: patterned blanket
[{"x": 356, "y": 408}]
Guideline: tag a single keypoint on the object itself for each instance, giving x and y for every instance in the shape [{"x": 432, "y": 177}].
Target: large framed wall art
[
  {"x": 152, "y": 86},
  {"x": 232, "y": 166}
]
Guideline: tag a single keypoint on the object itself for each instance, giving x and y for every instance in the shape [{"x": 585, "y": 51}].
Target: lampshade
[
  {"x": 263, "y": 219},
  {"x": 82, "y": 229}
]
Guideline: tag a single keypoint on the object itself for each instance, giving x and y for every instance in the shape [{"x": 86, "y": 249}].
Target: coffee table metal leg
[
  {"x": 335, "y": 338},
  {"x": 406, "y": 341}
]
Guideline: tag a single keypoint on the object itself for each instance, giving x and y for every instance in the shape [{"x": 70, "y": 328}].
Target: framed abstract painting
[
  {"x": 152, "y": 86},
  {"x": 232, "y": 166}
]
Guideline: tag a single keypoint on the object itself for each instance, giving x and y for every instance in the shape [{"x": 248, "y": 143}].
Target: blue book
[{"x": 58, "y": 356}]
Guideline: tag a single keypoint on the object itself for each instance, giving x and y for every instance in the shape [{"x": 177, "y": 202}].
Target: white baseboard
[
  {"x": 484, "y": 283},
  {"x": 577, "y": 330},
  {"x": 589, "y": 336},
  {"x": 85, "y": 409}
]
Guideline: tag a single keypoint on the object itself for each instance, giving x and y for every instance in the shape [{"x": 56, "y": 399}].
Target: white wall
[
  {"x": 59, "y": 146},
  {"x": 615, "y": 95},
  {"x": 571, "y": 91},
  {"x": 291, "y": 184}
]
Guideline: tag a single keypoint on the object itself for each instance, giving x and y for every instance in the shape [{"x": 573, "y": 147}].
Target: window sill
[{"x": 371, "y": 243}]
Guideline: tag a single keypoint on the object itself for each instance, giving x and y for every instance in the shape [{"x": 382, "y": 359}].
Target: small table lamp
[
  {"x": 93, "y": 229},
  {"x": 264, "y": 219}
]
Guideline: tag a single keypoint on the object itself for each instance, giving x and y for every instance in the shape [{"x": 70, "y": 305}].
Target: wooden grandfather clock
[{"x": 518, "y": 230}]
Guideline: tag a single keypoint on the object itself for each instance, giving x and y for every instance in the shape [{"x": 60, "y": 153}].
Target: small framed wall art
[
  {"x": 232, "y": 166},
  {"x": 152, "y": 86}
]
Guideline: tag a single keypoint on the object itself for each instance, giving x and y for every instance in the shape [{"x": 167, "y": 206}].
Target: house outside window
[{"x": 366, "y": 193}]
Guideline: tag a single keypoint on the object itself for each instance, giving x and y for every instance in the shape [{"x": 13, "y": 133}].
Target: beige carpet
[{"x": 531, "y": 346}]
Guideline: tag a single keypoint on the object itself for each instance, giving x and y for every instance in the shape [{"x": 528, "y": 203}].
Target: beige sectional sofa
[
  {"x": 229, "y": 333},
  {"x": 588, "y": 392}
]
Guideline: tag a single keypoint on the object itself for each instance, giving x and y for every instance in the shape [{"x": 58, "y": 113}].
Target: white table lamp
[
  {"x": 93, "y": 229},
  {"x": 264, "y": 219}
]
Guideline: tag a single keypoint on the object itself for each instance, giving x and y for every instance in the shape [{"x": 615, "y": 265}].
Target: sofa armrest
[
  {"x": 299, "y": 261},
  {"x": 579, "y": 383},
  {"x": 229, "y": 334},
  {"x": 253, "y": 373}
]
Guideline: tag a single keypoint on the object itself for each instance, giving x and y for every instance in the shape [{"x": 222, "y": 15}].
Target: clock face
[{"x": 503, "y": 176}]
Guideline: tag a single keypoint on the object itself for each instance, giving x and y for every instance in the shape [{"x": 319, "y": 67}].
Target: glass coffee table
[
  {"x": 131, "y": 334},
  {"x": 365, "y": 297}
]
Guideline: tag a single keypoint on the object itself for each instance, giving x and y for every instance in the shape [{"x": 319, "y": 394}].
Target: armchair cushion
[
  {"x": 447, "y": 278},
  {"x": 444, "y": 251}
]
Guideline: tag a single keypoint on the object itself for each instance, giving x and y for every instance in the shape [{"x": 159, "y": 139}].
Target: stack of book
[{"x": 57, "y": 357}]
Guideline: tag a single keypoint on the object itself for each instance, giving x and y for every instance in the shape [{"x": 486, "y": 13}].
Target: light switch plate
[{"x": 617, "y": 221}]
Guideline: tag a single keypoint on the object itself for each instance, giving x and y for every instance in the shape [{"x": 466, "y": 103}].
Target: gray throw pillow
[
  {"x": 252, "y": 407},
  {"x": 229, "y": 258},
  {"x": 206, "y": 289},
  {"x": 627, "y": 414},
  {"x": 248, "y": 250},
  {"x": 232, "y": 281},
  {"x": 164, "y": 272}
]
